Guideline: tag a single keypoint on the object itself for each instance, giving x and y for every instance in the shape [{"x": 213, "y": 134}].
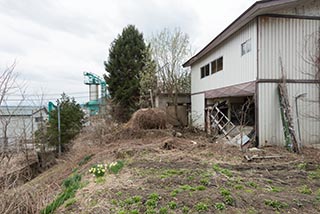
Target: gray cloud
[
  {"x": 54, "y": 41},
  {"x": 50, "y": 14}
]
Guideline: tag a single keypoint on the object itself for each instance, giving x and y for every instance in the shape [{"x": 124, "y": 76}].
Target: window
[
  {"x": 202, "y": 72},
  {"x": 205, "y": 71},
  {"x": 38, "y": 119},
  {"x": 217, "y": 65},
  {"x": 246, "y": 47}
]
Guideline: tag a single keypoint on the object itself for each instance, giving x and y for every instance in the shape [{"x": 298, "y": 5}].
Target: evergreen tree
[
  {"x": 71, "y": 119},
  {"x": 126, "y": 60}
]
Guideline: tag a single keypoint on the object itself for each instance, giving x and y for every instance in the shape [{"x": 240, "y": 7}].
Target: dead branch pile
[{"x": 150, "y": 118}]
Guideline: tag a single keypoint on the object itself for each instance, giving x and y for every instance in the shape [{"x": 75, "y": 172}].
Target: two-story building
[{"x": 271, "y": 39}]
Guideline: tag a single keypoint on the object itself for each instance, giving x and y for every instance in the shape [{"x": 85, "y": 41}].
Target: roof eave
[{"x": 250, "y": 14}]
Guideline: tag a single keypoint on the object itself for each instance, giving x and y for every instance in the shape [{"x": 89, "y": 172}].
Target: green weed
[
  {"x": 224, "y": 192},
  {"x": 100, "y": 180},
  {"x": 275, "y": 204},
  {"x": 70, "y": 201},
  {"x": 201, "y": 188},
  {"x": 226, "y": 172},
  {"x": 226, "y": 196},
  {"x": 154, "y": 196},
  {"x": 314, "y": 174},
  {"x": 150, "y": 211},
  {"x": 136, "y": 199},
  {"x": 302, "y": 166},
  {"x": 152, "y": 201},
  {"x": 219, "y": 206},
  {"x": 238, "y": 186},
  {"x": 252, "y": 184},
  {"x": 205, "y": 181},
  {"x": 85, "y": 159},
  {"x": 115, "y": 167},
  {"x": 163, "y": 210},
  {"x": 201, "y": 207},
  {"x": 275, "y": 189},
  {"x": 171, "y": 172},
  {"x": 71, "y": 185},
  {"x": 172, "y": 205},
  {"x": 185, "y": 210},
  {"x": 305, "y": 190}
]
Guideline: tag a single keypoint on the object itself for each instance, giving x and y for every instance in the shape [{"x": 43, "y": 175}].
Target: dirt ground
[
  {"x": 189, "y": 174},
  {"x": 163, "y": 174}
]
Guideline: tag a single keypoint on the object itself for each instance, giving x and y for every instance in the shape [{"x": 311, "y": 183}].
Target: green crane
[{"x": 95, "y": 104}]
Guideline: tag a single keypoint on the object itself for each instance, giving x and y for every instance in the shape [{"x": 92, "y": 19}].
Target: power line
[
  {"x": 39, "y": 99},
  {"x": 39, "y": 95}
]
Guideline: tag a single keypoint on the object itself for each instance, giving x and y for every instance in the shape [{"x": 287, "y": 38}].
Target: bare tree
[
  {"x": 311, "y": 57},
  {"x": 8, "y": 87},
  {"x": 170, "y": 49},
  {"x": 242, "y": 116}
]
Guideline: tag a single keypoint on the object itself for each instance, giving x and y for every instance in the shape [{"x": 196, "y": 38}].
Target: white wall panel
[
  {"x": 270, "y": 124},
  {"x": 292, "y": 40},
  {"x": 197, "y": 110},
  {"x": 236, "y": 68}
]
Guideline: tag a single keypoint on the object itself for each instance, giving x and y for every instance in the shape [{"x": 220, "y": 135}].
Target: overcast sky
[{"x": 54, "y": 41}]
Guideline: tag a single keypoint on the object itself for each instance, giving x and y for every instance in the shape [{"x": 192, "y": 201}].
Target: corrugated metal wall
[
  {"x": 197, "y": 110},
  {"x": 270, "y": 124},
  {"x": 236, "y": 68},
  {"x": 289, "y": 39}
]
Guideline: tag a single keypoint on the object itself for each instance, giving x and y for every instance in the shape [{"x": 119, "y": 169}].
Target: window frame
[
  {"x": 246, "y": 47},
  {"x": 205, "y": 71},
  {"x": 215, "y": 65}
]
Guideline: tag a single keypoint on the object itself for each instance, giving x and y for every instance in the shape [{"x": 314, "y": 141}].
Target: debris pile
[{"x": 148, "y": 118}]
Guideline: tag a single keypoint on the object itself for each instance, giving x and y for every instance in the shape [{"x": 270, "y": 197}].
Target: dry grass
[
  {"x": 148, "y": 118},
  {"x": 151, "y": 167}
]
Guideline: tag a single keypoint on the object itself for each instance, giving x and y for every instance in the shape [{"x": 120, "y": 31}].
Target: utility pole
[
  {"x": 59, "y": 130},
  {"x": 151, "y": 98}
]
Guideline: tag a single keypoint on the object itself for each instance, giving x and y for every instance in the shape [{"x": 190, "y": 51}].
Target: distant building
[
  {"x": 244, "y": 61},
  {"x": 164, "y": 101},
  {"x": 20, "y": 122}
]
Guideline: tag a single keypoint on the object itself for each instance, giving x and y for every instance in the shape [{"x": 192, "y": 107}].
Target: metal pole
[
  {"x": 297, "y": 113},
  {"x": 151, "y": 97},
  {"x": 59, "y": 130}
]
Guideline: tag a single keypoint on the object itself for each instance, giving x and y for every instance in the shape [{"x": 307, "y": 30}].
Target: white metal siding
[
  {"x": 270, "y": 124},
  {"x": 236, "y": 68},
  {"x": 289, "y": 39},
  {"x": 197, "y": 110}
]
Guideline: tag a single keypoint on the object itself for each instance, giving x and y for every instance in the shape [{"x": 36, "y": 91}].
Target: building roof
[
  {"x": 20, "y": 110},
  {"x": 258, "y": 8}
]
